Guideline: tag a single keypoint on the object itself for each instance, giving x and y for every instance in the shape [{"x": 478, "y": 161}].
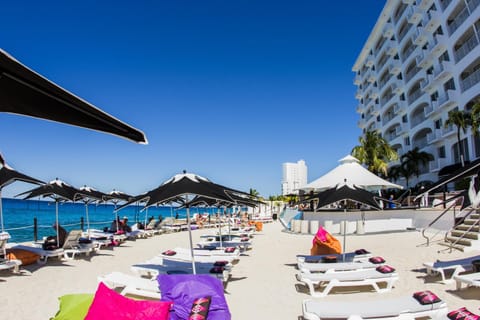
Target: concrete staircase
[{"x": 464, "y": 237}]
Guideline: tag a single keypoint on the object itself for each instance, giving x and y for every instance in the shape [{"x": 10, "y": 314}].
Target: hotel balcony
[
  {"x": 446, "y": 99},
  {"x": 470, "y": 81},
  {"x": 431, "y": 109},
  {"x": 358, "y": 80},
  {"x": 360, "y": 108},
  {"x": 434, "y": 136},
  {"x": 424, "y": 4},
  {"x": 468, "y": 46},
  {"x": 420, "y": 37},
  {"x": 437, "y": 164},
  {"x": 442, "y": 71},
  {"x": 392, "y": 49},
  {"x": 370, "y": 60},
  {"x": 395, "y": 67},
  {"x": 431, "y": 20},
  {"x": 359, "y": 94},
  {"x": 388, "y": 30},
  {"x": 414, "y": 15},
  {"x": 448, "y": 131},
  {"x": 401, "y": 129},
  {"x": 376, "y": 109},
  {"x": 459, "y": 19},
  {"x": 423, "y": 60},
  {"x": 398, "y": 87},
  {"x": 400, "y": 107},
  {"x": 437, "y": 45}
]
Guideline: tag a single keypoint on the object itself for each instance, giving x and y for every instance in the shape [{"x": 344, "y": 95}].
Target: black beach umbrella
[
  {"x": 9, "y": 175},
  {"x": 182, "y": 188},
  {"x": 57, "y": 190},
  {"x": 344, "y": 193},
  {"x": 117, "y": 197},
  {"x": 25, "y": 92},
  {"x": 89, "y": 195}
]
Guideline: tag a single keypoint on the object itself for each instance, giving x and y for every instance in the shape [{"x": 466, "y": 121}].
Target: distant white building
[{"x": 294, "y": 176}]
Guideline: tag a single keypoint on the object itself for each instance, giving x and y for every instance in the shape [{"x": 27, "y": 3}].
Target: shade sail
[
  {"x": 25, "y": 92},
  {"x": 9, "y": 175},
  {"x": 346, "y": 192},
  {"x": 353, "y": 173},
  {"x": 56, "y": 189}
]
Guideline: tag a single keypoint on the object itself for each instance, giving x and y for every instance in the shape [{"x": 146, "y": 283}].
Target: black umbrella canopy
[
  {"x": 56, "y": 189},
  {"x": 88, "y": 194},
  {"x": 25, "y": 92},
  {"x": 116, "y": 196},
  {"x": 177, "y": 189},
  {"x": 346, "y": 192},
  {"x": 9, "y": 175}
]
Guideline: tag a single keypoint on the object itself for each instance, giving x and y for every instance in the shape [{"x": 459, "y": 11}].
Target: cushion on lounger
[
  {"x": 108, "y": 304},
  {"x": 361, "y": 251},
  {"x": 426, "y": 297},
  {"x": 169, "y": 253},
  {"x": 376, "y": 260},
  {"x": 200, "y": 309},
  {"x": 229, "y": 249},
  {"x": 221, "y": 263},
  {"x": 183, "y": 289},
  {"x": 329, "y": 259},
  {"x": 385, "y": 269},
  {"x": 73, "y": 306},
  {"x": 462, "y": 314}
]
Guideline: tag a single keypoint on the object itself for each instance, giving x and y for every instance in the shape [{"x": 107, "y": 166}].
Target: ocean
[{"x": 19, "y": 215}]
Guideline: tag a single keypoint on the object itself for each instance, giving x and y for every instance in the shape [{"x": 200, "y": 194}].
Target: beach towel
[{"x": 325, "y": 243}]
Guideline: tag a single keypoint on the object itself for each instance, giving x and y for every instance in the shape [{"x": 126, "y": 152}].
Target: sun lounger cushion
[
  {"x": 73, "y": 306},
  {"x": 169, "y": 253},
  {"x": 385, "y": 269},
  {"x": 462, "y": 314},
  {"x": 376, "y": 260},
  {"x": 108, "y": 304},
  {"x": 27, "y": 257},
  {"x": 200, "y": 308},
  {"x": 426, "y": 297},
  {"x": 183, "y": 289}
]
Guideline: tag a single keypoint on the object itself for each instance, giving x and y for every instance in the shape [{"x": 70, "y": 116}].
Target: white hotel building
[
  {"x": 294, "y": 176},
  {"x": 421, "y": 60}
]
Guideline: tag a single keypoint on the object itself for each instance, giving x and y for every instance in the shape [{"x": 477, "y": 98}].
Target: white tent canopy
[{"x": 351, "y": 172}]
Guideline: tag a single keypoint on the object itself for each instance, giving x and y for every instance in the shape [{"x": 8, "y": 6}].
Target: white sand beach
[{"x": 263, "y": 284}]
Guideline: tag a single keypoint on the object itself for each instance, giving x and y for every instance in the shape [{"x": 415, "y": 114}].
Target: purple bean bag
[{"x": 183, "y": 289}]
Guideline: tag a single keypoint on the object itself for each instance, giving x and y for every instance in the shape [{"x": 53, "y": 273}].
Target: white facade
[
  {"x": 294, "y": 176},
  {"x": 421, "y": 60}
]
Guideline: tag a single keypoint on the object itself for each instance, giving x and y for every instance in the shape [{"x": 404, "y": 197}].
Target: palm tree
[
  {"x": 475, "y": 118},
  {"x": 462, "y": 120},
  {"x": 412, "y": 161},
  {"x": 253, "y": 193},
  {"x": 375, "y": 152}
]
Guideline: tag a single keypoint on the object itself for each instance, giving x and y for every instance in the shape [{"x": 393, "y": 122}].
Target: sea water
[{"x": 19, "y": 215}]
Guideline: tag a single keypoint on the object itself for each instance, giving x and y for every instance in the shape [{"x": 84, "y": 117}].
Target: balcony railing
[
  {"x": 414, "y": 96},
  {"x": 409, "y": 75},
  {"x": 444, "y": 4},
  {"x": 473, "y": 4},
  {"x": 387, "y": 98},
  {"x": 466, "y": 48},
  {"x": 459, "y": 19},
  {"x": 471, "y": 80}
]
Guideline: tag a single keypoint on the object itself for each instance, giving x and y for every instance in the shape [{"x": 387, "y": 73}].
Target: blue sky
[{"x": 229, "y": 90}]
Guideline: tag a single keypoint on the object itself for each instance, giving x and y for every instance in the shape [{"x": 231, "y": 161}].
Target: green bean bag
[{"x": 74, "y": 306}]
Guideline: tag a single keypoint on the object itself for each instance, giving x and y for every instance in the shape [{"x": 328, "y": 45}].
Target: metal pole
[
  {"x": 56, "y": 222},
  {"x": 35, "y": 229},
  {"x": 1, "y": 210},
  {"x": 190, "y": 236}
]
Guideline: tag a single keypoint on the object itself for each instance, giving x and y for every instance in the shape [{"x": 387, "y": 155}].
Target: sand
[{"x": 263, "y": 284}]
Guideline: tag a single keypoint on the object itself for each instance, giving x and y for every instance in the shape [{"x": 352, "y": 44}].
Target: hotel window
[
  {"x": 441, "y": 152},
  {"x": 438, "y": 124},
  {"x": 449, "y": 85},
  {"x": 405, "y": 119},
  {"x": 406, "y": 141}
]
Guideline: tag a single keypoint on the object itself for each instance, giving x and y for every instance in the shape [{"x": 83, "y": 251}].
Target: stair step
[
  {"x": 470, "y": 221},
  {"x": 466, "y": 227},
  {"x": 469, "y": 235},
  {"x": 465, "y": 242},
  {"x": 456, "y": 247}
]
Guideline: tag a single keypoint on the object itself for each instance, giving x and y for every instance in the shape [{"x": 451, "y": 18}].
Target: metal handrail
[
  {"x": 453, "y": 205},
  {"x": 452, "y": 244}
]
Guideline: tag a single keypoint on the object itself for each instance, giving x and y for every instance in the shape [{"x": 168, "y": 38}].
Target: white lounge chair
[
  {"x": 72, "y": 247},
  {"x": 469, "y": 279},
  {"x": 456, "y": 266},
  {"x": 405, "y": 307},
  {"x": 309, "y": 267},
  {"x": 152, "y": 269},
  {"x": 344, "y": 257},
  {"x": 352, "y": 278},
  {"x": 132, "y": 285},
  {"x": 10, "y": 264},
  {"x": 184, "y": 254}
]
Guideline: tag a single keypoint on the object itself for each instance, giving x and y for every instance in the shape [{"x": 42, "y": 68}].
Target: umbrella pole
[
  {"x": 56, "y": 220},
  {"x": 88, "y": 220},
  {"x": 1, "y": 210},
  {"x": 190, "y": 238},
  {"x": 344, "y": 230}
]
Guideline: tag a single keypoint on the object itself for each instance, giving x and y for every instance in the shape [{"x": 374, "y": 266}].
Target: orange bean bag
[
  {"x": 325, "y": 243},
  {"x": 258, "y": 226},
  {"x": 27, "y": 257}
]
